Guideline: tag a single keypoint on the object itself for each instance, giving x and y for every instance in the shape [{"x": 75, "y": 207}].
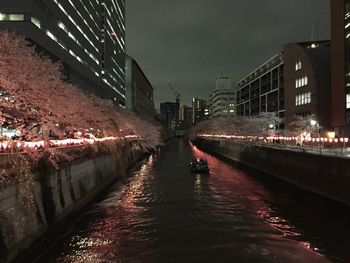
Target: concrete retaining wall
[
  {"x": 31, "y": 205},
  {"x": 328, "y": 176}
]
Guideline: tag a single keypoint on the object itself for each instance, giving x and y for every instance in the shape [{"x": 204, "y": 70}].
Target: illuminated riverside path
[{"x": 163, "y": 213}]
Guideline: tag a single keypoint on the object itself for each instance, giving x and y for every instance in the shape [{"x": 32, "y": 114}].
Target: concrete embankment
[
  {"x": 32, "y": 204},
  {"x": 328, "y": 176}
]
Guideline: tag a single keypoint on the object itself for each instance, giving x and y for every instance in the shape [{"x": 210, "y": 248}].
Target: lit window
[
  {"x": 16, "y": 17},
  {"x": 35, "y": 21},
  {"x": 51, "y": 35},
  {"x": 11, "y": 17},
  {"x": 302, "y": 99},
  {"x": 348, "y": 101}
]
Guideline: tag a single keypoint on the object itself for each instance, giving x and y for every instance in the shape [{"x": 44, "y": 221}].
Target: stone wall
[
  {"x": 328, "y": 176},
  {"x": 29, "y": 206}
]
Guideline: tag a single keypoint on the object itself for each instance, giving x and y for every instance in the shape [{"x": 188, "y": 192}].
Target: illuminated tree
[
  {"x": 303, "y": 125},
  {"x": 238, "y": 125},
  {"x": 35, "y": 98}
]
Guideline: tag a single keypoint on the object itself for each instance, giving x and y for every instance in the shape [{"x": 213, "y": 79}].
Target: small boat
[{"x": 199, "y": 166}]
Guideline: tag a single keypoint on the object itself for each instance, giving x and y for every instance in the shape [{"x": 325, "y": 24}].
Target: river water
[{"x": 163, "y": 213}]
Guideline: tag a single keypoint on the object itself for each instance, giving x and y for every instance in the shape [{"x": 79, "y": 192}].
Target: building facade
[
  {"x": 222, "y": 101},
  {"x": 87, "y": 36},
  {"x": 139, "y": 91},
  {"x": 169, "y": 113},
  {"x": 200, "y": 110},
  {"x": 263, "y": 90},
  {"x": 307, "y": 82},
  {"x": 186, "y": 114},
  {"x": 294, "y": 82},
  {"x": 340, "y": 66}
]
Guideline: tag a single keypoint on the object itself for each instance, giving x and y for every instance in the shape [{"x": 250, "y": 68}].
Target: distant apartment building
[
  {"x": 169, "y": 112},
  {"x": 87, "y": 36},
  {"x": 340, "y": 66},
  {"x": 223, "y": 99},
  {"x": 199, "y": 110},
  {"x": 295, "y": 81},
  {"x": 186, "y": 114},
  {"x": 139, "y": 91}
]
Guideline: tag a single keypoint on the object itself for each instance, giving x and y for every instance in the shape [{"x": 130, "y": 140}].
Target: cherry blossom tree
[
  {"x": 34, "y": 97},
  {"x": 237, "y": 125},
  {"x": 303, "y": 125}
]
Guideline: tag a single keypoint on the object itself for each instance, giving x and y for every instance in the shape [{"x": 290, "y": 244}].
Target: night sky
[{"x": 190, "y": 42}]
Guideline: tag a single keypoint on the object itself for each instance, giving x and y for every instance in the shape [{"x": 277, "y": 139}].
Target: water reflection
[
  {"x": 165, "y": 213},
  {"x": 225, "y": 175}
]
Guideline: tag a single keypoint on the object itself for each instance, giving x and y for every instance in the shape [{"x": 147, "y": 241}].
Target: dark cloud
[{"x": 190, "y": 42}]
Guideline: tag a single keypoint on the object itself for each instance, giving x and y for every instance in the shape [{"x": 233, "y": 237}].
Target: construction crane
[{"x": 177, "y": 94}]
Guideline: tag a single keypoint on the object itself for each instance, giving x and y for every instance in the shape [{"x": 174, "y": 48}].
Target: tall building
[
  {"x": 199, "y": 110},
  {"x": 223, "y": 99},
  {"x": 87, "y": 36},
  {"x": 307, "y": 81},
  {"x": 186, "y": 114},
  {"x": 139, "y": 91},
  {"x": 169, "y": 112},
  {"x": 340, "y": 66}
]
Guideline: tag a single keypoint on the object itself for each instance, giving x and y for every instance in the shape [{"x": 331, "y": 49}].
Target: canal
[{"x": 163, "y": 213}]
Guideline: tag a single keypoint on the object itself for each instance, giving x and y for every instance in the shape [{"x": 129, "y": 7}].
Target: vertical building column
[{"x": 338, "y": 67}]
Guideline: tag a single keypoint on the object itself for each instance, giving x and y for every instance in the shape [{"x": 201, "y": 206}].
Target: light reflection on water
[{"x": 166, "y": 214}]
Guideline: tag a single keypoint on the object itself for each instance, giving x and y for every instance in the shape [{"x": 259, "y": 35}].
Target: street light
[{"x": 315, "y": 123}]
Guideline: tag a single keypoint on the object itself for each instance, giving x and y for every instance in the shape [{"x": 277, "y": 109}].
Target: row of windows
[
  {"x": 37, "y": 23},
  {"x": 298, "y": 65},
  {"x": 76, "y": 25},
  {"x": 301, "y": 82},
  {"x": 65, "y": 29},
  {"x": 82, "y": 17},
  {"x": 11, "y": 17},
  {"x": 302, "y": 99}
]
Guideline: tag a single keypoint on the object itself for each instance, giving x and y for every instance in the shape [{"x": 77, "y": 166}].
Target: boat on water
[{"x": 199, "y": 166}]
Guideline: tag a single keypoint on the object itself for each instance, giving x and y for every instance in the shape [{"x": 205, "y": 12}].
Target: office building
[
  {"x": 294, "y": 82},
  {"x": 223, "y": 99},
  {"x": 307, "y": 81},
  {"x": 185, "y": 114},
  {"x": 262, "y": 90},
  {"x": 139, "y": 91},
  {"x": 169, "y": 112},
  {"x": 199, "y": 110},
  {"x": 87, "y": 36},
  {"x": 340, "y": 67}
]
